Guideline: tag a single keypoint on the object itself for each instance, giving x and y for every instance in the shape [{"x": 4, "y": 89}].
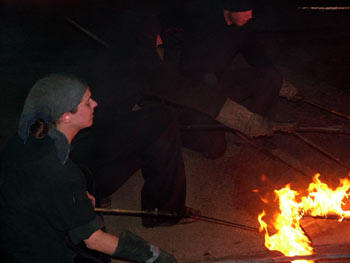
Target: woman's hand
[{"x": 92, "y": 198}]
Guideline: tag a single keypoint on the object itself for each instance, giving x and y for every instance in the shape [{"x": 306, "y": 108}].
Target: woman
[{"x": 43, "y": 195}]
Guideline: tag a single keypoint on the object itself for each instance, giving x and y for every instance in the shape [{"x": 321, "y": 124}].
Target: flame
[
  {"x": 322, "y": 200},
  {"x": 290, "y": 238}
]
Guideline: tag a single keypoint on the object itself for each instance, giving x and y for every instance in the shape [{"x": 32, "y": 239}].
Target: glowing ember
[{"x": 321, "y": 201}]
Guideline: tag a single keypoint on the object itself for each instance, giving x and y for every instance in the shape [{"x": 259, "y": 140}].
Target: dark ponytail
[{"x": 39, "y": 129}]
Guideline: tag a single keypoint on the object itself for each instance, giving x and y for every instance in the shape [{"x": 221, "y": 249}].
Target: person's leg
[
  {"x": 93, "y": 149},
  {"x": 147, "y": 138},
  {"x": 210, "y": 143},
  {"x": 163, "y": 169}
]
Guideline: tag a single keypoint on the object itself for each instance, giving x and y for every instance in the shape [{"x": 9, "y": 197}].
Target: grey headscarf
[{"x": 48, "y": 99}]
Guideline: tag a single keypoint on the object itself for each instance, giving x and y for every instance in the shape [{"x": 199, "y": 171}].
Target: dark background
[{"x": 309, "y": 46}]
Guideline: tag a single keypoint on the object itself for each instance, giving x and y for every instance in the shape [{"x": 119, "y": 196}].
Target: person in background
[
  {"x": 201, "y": 39},
  {"x": 202, "y": 87}
]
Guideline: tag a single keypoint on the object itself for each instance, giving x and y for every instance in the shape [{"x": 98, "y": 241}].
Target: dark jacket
[{"x": 42, "y": 202}]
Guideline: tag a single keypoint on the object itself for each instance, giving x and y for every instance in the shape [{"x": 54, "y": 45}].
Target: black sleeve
[{"x": 68, "y": 207}]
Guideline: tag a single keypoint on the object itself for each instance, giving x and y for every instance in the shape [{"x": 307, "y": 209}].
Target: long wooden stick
[
  {"x": 328, "y": 216},
  {"x": 276, "y": 154},
  {"x": 88, "y": 33},
  {"x": 288, "y": 259},
  {"x": 301, "y": 99},
  {"x": 334, "y": 129},
  {"x": 174, "y": 215},
  {"x": 332, "y": 111},
  {"x": 327, "y": 8},
  {"x": 154, "y": 212},
  {"x": 321, "y": 150}
]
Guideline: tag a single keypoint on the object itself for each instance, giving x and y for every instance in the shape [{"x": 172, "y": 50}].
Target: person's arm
[
  {"x": 127, "y": 246},
  {"x": 92, "y": 199},
  {"x": 103, "y": 242},
  {"x": 239, "y": 118}
]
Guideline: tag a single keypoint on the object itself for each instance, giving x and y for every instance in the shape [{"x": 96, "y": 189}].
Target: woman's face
[{"x": 84, "y": 116}]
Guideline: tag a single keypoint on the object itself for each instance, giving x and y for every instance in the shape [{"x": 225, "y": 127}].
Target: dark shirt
[{"x": 42, "y": 202}]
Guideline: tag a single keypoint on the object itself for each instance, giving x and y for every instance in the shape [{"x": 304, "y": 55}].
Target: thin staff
[
  {"x": 276, "y": 154},
  {"x": 88, "y": 33},
  {"x": 175, "y": 215},
  {"x": 333, "y": 129},
  {"x": 321, "y": 150},
  {"x": 332, "y": 111},
  {"x": 328, "y": 217},
  {"x": 330, "y": 8}
]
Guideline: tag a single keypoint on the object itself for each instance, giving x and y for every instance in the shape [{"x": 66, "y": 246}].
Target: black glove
[{"x": 135, "y": 248}]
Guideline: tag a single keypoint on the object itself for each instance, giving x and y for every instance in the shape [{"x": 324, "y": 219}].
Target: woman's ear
[{"x": 66, "y": 117}]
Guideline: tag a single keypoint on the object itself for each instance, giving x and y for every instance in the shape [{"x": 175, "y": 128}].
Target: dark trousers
[{"x": 148, "y": 139}]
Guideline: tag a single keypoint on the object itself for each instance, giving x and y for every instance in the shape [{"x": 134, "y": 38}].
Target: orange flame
[
  {"x": 322, "y": 200},
  {"x": 289, "y": 238}
]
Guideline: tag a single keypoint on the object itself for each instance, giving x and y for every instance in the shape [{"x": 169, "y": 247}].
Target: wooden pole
[
  {"x": 321, "y": 150},
  {"x": 328, "y": 216},
  {"x": 334, "y": 129},
  {"x": 301, "y": 99},
  {"x": 154, "y": 212},
  {"x": 157, "y": 212},
  {"x": 88, "y": 33},
  {"x": 332, "y": 111},
  {"x": 276, "y": 154},
  {"x": 324, "y": 8}
]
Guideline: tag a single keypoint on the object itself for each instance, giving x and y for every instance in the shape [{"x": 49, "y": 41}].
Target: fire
[
  {"x": 290, "y": 238},
  {"x": 322, "y": 200}
]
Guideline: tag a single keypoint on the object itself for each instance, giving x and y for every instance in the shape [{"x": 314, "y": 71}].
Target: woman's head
[
  {"x": 81, "y": 116},
  {"x": 49, "y": 99}
]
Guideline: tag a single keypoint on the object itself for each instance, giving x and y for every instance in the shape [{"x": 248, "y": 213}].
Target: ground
[{"x": 314, "y": 56}]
